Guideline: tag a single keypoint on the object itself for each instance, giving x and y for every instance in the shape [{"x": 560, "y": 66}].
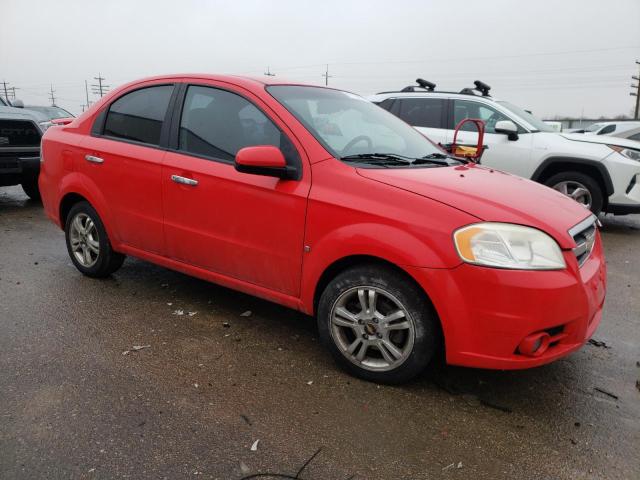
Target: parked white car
[
  {"x": 630, "y": 134},
  {"x": 601, "y": 172},
  {"x": 611, "y": 128}
]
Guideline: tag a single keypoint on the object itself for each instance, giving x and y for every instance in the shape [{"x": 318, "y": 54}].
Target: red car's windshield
[{"x": 346, "y": 124}]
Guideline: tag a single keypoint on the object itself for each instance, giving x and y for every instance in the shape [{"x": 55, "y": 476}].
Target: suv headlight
[
  {"x": 45, "y": 125},
  {"x": 505, "y": 245},
  {"x": 627, "y": 152}
]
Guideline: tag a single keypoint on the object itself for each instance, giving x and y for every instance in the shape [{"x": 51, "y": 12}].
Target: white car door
[{"x": 512, "y": 156}]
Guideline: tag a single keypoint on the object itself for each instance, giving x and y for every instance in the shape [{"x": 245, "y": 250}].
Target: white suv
[{"x": 601, "y": 172}]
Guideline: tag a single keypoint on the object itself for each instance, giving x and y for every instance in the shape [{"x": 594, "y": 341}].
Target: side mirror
[
  {"x": 508, "y": 128},
  {"x": 264, "y": 160},
  {"x": 17, "y": 104}
]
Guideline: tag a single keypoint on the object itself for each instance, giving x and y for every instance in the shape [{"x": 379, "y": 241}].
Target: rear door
[
  {"x": 427, "y": 114},
  {"x": 247, "y": 227},
  {"x": 123, "y": 160}
]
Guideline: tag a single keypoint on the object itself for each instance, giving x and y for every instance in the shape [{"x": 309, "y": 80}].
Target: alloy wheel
[
  {"x": 575, "y": 190},
  {"x": 84, "y": 241},
  {"x": 372, "y": 328}
]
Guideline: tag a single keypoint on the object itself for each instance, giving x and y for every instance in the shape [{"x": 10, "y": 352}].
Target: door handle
[
  {"x": 184, "y": 180},
  {"x": 93, "y": 159}
]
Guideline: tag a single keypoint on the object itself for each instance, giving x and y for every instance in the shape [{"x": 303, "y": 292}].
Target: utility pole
[
  {"x": 637, "y": 92},
  {"x": 6, "y": 94},
  {"x": 326, "y": 76},
  {"x": 52, "y": 97},
  {"x": 100, "y": 88},
  {"x": 86, "y": 91},
  {"x": 13, "y": 92},
  {"x": 268, "y": 73}
]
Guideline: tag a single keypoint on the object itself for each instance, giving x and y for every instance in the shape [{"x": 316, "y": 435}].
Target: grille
[
  {"x": 584, "y": 234},
  {"x": 19, "y": 133}
]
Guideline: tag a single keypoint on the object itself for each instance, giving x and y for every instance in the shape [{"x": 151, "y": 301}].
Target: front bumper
[
  {"x": 16, "y": 166},
  {"x": 625, "y": 176},
  {"x": 486, "y": 312}
]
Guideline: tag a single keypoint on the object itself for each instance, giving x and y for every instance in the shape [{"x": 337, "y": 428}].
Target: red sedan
[{"x": 321, "y": 201}]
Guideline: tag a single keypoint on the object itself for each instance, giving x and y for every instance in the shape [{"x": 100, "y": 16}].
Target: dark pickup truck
[{"x": 20, "y": 134}]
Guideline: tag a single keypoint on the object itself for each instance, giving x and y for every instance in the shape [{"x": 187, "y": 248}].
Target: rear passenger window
[
  {"x": 138, "y": 115},
  {"x": 607, "y": 129},
  {"x": 216, "y": 123},
  {"x": 422, "y": 112}
]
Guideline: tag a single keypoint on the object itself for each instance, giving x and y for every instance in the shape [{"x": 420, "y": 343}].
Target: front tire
[
  {"x": 377, "y": 324},
  {"x": 581, "y": 187},
  {"x": 88, "y": 244}
]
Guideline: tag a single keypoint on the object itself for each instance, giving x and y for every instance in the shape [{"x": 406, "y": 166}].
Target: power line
[{"x": 636, "y": 93}]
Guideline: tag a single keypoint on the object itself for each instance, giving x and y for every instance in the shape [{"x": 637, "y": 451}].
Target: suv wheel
[
  {"x": 30, "y": 187},
  {"x": 579, "y": 186},
  {"x": 377, "y": 324},
  {"x": 88, "y": 244}
]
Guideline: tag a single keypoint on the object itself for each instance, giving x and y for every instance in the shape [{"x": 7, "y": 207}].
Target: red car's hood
[{"x": 490, "y": 195}]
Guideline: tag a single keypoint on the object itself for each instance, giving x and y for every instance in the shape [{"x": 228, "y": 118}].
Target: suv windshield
[
  {"x": 350, "y": 126},
  {"x": 51, "y": 112},
  {"x": 536, "y": 123},
  {"x": 595, "y": 127}
]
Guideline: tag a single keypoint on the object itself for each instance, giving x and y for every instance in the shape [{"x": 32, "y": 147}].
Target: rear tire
[
  {"x": 569, "y": 184},
  {"x": 88, "y": 244},
  {"x": 384, "y": 310},
  {"x": 30, "y": 188}
]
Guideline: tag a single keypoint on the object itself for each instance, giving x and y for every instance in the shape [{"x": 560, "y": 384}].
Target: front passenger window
[
  {"x": 470, "y": 109},
  {"x": 216, "y": 124}
]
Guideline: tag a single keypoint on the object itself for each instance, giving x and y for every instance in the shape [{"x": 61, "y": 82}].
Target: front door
[
  {"x": 244, "y": 226},
  {"x": 509, "y": 155}
]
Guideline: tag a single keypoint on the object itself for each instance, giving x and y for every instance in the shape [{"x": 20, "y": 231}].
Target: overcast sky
[{"x": 558, "y": 57}]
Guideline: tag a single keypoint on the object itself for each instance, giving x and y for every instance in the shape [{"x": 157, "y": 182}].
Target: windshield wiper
[
  {"x": 436, "y": 158},
  {"x": 378, "y": 158}
]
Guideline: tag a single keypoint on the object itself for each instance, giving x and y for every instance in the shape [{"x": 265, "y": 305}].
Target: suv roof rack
[
  {"x": 426, "y": 86},
  {"x": 481, "y": 87},
  {"x": 422, "y": 83}
]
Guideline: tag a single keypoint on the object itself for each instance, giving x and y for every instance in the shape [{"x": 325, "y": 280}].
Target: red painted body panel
[
  {"x": 275, "y": 238},
  {"x": 491, "y": 195}
]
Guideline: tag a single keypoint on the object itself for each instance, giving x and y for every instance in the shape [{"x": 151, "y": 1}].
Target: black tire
[
  {"x": 597, "y": 197},
  {"x": 30, "y": 187},
  {"x": 108, "y": 260},
  {"x": 426, "y": 337}
]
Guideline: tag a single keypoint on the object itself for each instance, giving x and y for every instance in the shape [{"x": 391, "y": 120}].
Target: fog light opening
[{"x": 535, "y": 344}]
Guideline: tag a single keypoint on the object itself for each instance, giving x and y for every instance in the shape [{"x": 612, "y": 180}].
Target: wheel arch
[
  {"x": 74, "y": 191},
  {"x": 67, "y": 203},
  {"x": 350, "y": 261},
  {"x": 594, "y": 169}
]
